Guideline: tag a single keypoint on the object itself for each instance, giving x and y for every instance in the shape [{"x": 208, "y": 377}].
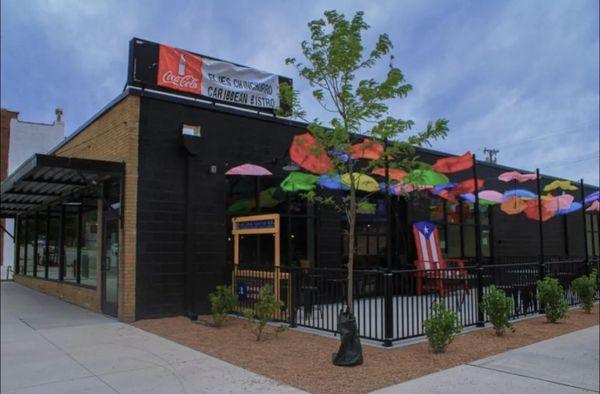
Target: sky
[{"x": 520, "y": 76}]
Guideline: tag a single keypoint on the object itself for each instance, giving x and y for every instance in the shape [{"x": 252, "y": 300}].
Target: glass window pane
[
  {"x": 485, "y": 243},
  {"x": 70, "y": 243},
  {"x": 453, "y": 241},
  {"x": 469, "y": 241},
  {"x": 22, "y": 244},
  {"x": 30, "y": 245},
  {"x": 242, "y": 195},
  {"x": 41, "y": 246},
  {"x": 452, "y": 213},
  {"x": 53, "y": 249},
  {"x": 436, "y": 210},
  {"x": 89, "y": 244}
]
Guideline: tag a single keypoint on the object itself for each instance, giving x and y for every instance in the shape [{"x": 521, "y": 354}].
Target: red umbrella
[
  {"x": 395, "y": 173},
  {"x": 467, "y": 186},
  {"x": 532, "y": 211},
  {"x": 449, "y": 165},
  {"x": 309, "y": 154},
  {"x": 368, "y": 149}
]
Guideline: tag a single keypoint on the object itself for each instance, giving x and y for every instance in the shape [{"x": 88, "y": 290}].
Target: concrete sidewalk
[
  {"x": 49, "y": 346},
  {"x": 566, "y": 364}
]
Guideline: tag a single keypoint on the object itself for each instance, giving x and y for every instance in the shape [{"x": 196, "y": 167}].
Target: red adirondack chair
[{"x": 430, "y": 259}]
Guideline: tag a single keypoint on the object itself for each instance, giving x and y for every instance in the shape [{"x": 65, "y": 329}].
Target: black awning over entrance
[{"x": 44, "y": 179}]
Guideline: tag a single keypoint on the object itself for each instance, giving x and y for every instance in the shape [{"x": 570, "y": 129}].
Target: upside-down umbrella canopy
[
  {"x": 299, "y": 181},
  {"x": 270, "y": 197},
  {"x": 491, "y": 195},
  {"x": 368, "y": 149},
  {"x": 383, "y": 188},
  {"x": 516, "y": 176},
  {"x": 486, "y": 203},
  {"x": 241, "y": 206},
  {"x": 519, "y": 193},
  {"x": 467, "y": 186},
  {"x": 532, "y": 211},
  {"x": 447, "y": 195},
  {"x": 446, "y": 186},
  {"x": 249, "y": 169},
  {"x": 402, "y": 188},
  {"x": 332, "y": 182},
  {"x": 395, "y": 173},
  {"x": 366, "y": 207},
  {"x": 513, "y": 206},
  {"x": 449, "y": 165},
  {"x": 558, "y": 203},
  {"x": 309, "y": 154},
  {"x": 470, "y": 197},
  {"x": 595, "y": 207},
  {"x": 595, "y": 196},
  {"x": 575, "y": 206},
  {"x": 425, "y": 177},
  {"x": 557, "y": 184},
  {"x": 362, "y": 182}
]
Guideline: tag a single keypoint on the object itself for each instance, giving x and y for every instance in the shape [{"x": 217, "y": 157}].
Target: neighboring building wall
[
  {"x": 114, "y": 137},
  {"x": 22, "y": 140},
  {"x": 5, "y": 118}
]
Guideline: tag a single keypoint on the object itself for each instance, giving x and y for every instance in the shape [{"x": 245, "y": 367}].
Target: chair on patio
[{"x": 435, "y": 276}]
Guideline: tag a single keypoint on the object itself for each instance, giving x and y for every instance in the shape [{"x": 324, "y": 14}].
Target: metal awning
[{"x": 44, "y": 179}]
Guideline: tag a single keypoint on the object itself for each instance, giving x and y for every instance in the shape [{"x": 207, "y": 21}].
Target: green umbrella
[
  {"x": 425, "y": 177},
  {"x": 241, "y": 206},
  {"x": 299, "y": 181},
  {"x": 485, "y": 203},
  {"x": 366, "y": 208},
  {"x": 268, "y": 198}
]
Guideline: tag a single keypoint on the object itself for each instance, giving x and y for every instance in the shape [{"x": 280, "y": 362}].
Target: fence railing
[{"x": 393, "y": 305}]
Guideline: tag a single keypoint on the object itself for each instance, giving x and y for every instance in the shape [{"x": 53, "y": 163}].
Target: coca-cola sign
[{"x": 179, "y": 70}]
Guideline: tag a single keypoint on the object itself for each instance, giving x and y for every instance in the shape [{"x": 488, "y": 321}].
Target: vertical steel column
[
  {"x": 480, "y": 316},
  {"x": 79, "y": 242},
  {"x": 47, "y": 248},
  {"x": 36, "y": 230},
  {"x": 388, "y": 276},
  {"x": 583, "y": 217},
  {"x": 61, "y": 245},
  {"x": 17, "y": 241},
  {"x": 540, "y": 227}
]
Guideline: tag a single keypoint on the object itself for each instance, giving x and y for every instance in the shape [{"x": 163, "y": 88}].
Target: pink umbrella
[
  {"x": 515, "y": 175},
  {"x": 558, "y": 203},
  {"x": 249, "y": 169},
  {"x": 407, "y": 188},
  {"x": 595, "y": 207},
  {"x": 491, "y": 195}
]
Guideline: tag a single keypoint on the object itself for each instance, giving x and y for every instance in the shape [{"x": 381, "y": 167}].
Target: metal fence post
[
  {"x": 292, "y": 305},
  {"x": 388, "y": 295},
  {"x": 480, "y": 316}
]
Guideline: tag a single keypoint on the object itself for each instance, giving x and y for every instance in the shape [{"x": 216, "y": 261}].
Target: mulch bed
[{"x": 303, "y": 360}]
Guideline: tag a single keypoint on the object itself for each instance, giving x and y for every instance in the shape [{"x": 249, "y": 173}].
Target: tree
[{"x": 335, "y": 55}]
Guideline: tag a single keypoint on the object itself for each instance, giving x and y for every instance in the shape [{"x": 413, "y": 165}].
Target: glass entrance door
[{"x": 110, "y": 264}]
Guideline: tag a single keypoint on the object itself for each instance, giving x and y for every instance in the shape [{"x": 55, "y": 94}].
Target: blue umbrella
[
  {"x": 592, "y": 197},
  {"x": 332, "y": 182},
  {"x": 439, "y": 188},
  {"x": 470, "y": 197},
  {"x": 383, "y": 187},
  {"x": 575, "y": 206},
  {"x": 519, "y": 193}
]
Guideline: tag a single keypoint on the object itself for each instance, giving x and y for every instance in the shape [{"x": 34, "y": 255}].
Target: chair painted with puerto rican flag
[{"x": 435, "y": 274}]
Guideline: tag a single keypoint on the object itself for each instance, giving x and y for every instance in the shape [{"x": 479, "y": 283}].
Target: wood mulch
[{"x": 303, "y": 360}]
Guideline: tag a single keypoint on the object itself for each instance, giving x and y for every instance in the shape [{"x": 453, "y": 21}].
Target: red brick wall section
[{"x": 5, "y": 117}]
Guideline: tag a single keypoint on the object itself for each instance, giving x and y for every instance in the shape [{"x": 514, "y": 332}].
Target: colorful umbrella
[
  {"x": 519, "y": 193},
  {"x": 299, "y": 181},
  {"x": 449, "y": 165},
  {"x": 446, "y": 186},
  {"x": 366, "y": 207},
  {"x": 309, "y": 154},
  {"x": 491, "y": 195},
  {"x": 362, "y": 182},
  {"x": 425, "y": 177},
  {"x": 368, "y": 149},
  {"x": 516, "y": 176},
  {"x": 557, "y": 184},
  {"x": 576, "y": 206},
  {"x": 513, "y": 206},
  {"x": 270, "y": 197},
  {"x": 467, "y": 186},
  {"x": 332, "y": 182},
  {"x": 532, "y": 211},
  {"x": 595, "y": 196},
  {"x": 470, "y": 197},
  {"x": 383, "y": 187},
  {"x": 595, "y": 207},
  {"x": 395, "y": 173},
  {"x": 485, "y": 203},
  {"x": 241, "y": 206},
  {"x": 558, "y": 203},
  {"x": 402, "y": 188},
  {"x": 249, "y": 169}
]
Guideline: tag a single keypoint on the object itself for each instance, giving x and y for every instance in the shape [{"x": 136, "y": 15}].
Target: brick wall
[
  {"x": 74, "y": 294},
  {"x": 114, "y": 137},
  {"x": 5, "y": 117}
]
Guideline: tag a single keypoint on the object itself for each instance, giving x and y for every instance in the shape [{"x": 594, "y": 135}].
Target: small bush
[
  {"x": 222, "y": 302},
  {"x": 552, "y": 295},
  {"x": 441, "y": 328},
  {"x": 585, "y": 287},
  {"x": 498, "y": 307},
  {"x": 264, "y": 310}
]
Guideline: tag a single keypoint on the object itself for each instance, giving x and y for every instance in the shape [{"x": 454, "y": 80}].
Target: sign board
[
  {"x": 163, "y": 67},
  {"x": 256, "y": 224}
]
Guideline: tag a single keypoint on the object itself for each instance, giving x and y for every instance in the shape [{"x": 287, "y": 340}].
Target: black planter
[{"x": 350, "y": 352}]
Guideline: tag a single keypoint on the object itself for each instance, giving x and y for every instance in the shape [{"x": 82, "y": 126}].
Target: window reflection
[
  {"x": 70, "y": 243},
  {"x": 89, "y": 243}
]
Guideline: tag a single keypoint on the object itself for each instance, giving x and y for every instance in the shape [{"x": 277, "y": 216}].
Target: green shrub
[
  {"x": 222, "y": 302},
  {"x": 585, "y": 287},
  {"x": 441, "y": 327},
  {"x": 265, "y": 308},
  {"x": 498, "y": 307},
  {"x": 552, "y": 295}
]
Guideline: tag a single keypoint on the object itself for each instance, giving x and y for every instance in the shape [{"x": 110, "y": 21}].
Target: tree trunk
[{"x": 351, "y": 229}]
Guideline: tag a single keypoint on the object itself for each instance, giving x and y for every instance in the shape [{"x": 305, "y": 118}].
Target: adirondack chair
[{"x": 435, "y": 277}]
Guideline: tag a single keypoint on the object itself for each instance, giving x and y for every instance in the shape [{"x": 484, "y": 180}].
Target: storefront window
[
  {"x": 53, "y": 246},
  {"x": 593, "y": 235},
  {"x": 89, "y": 243},
  {"x": 21, "y": 247},
  {"x": 30, "y": 245},
  {"x": 41, "y": 245},
  {"x": 70, "y": 243}
]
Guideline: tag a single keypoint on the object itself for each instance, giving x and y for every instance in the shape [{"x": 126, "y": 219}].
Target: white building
[{"x": 24, "y": 139}]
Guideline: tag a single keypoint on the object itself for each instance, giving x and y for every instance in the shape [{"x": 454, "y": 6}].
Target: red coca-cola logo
[
  {"x": 179, "y": 70},
  {"x": 186, "y": 81}
]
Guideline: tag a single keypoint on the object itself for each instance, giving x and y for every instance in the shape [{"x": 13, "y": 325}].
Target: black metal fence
[{"x": 393, "y": 305}]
